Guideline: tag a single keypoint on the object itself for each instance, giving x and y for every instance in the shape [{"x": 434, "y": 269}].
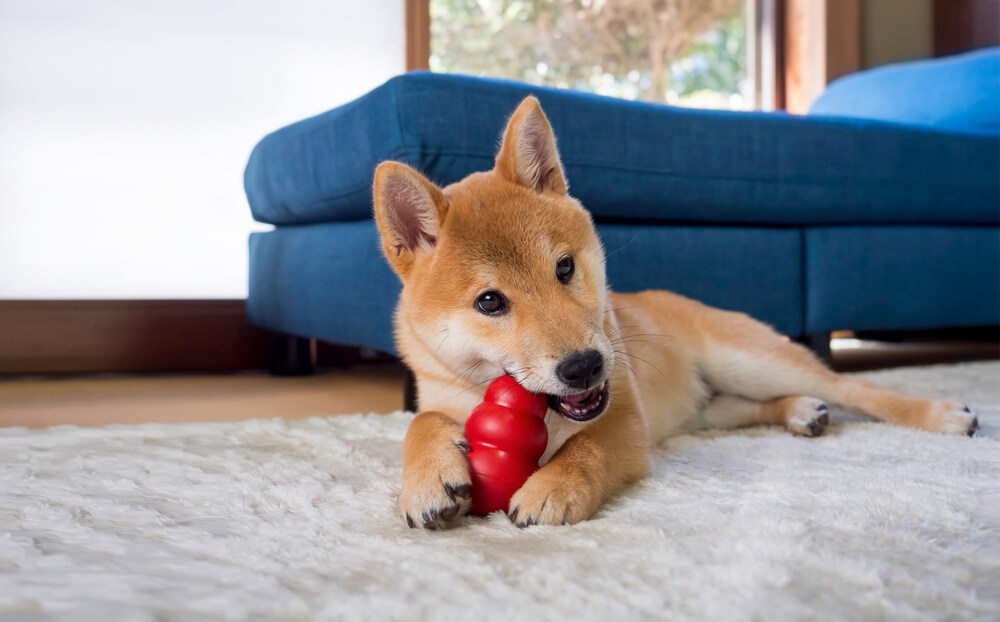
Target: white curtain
[{"x": 125, "y": 125}]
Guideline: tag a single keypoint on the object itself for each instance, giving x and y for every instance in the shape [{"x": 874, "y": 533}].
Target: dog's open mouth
[{"x": 582, "y": 406}]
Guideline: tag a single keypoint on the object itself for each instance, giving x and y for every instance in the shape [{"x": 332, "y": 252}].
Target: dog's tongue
[{"x": 583, "y": 399}]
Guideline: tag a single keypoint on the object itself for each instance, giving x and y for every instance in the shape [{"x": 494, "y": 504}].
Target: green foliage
[
  {"x": 607, "y": 51},
  {"x": 716, "y": 62}
]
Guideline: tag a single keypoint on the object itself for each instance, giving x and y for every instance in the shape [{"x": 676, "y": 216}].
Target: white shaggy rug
[{"x": 298, "y": 520}]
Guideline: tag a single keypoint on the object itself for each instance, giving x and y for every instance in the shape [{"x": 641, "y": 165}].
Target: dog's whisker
[
  {"x": 621, "y": 328},
  {"x": 488, "y": 380},
  {"x": 645, "y": 335},
  {"x": 469, "y": 388},
  {"x": 625, "y": 338},
  {"x": 643, "y": 360},
  {"x": 443, "y": 339},
  {"x": 623, "y": 246},
  {"x": 621, "y": 308},
  {"x": 468, "y": 370},
  {"x": 626, "y": 367},
  {"x": 508, "y": 389},
  {"x": 624, "y": 363},
  {"x": 623, "y": 342}
]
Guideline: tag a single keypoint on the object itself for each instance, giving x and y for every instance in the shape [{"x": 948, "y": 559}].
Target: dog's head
[{"x": 502, "y": 272}]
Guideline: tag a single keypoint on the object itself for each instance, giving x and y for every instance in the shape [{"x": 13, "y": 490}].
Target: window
[
  {"x": 704, "y": 54},
  {"x": 126, "y": 126}
]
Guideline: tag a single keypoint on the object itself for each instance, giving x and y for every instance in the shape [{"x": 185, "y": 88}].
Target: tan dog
[{"x": 503, "y": 272}]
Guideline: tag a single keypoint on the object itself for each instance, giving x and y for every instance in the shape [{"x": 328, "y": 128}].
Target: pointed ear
[
  {"x": 409, "y": 210},
  {"x": 528, "y": 155}
]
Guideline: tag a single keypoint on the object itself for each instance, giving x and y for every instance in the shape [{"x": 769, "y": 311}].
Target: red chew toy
[{"x": 507, "y": 435}]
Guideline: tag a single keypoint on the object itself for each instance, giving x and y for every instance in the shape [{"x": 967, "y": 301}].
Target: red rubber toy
[{"x": 507, "y": 436}]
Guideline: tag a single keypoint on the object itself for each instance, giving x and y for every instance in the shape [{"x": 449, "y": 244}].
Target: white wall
[{"x": 125, "y": 126}]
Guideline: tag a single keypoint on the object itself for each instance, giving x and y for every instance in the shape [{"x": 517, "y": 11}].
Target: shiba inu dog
[{"x": 503, "y": 273}]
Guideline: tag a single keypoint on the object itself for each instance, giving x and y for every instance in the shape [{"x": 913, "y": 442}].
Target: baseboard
[{"x": 94, "y": 336}]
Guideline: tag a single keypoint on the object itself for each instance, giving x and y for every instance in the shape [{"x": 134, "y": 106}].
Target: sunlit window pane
[{"x": 676, "y": 51}]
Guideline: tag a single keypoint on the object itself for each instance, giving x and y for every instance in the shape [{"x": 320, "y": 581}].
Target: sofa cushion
[
  {"x": 958, "y": 93},
  {"x": 901, "y": 277},
  {"x": 330, "y": 280},
  {"x": 631, "y": 160}
]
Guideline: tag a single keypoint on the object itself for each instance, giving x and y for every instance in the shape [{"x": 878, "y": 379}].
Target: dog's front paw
[
  {"x": 551, "y": 497},
  {"x": 437, "y": 487},
  {"x": 951, "y": 418}
]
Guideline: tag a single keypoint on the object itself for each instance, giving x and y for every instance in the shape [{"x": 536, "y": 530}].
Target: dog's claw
[
  {"x": 437, "y": 518},
  {"x": 513, "y": 515},
  {"x": 462, "y": 491},
  {"x": 432, "y": 520},
  {"x": 409, "y": 521},
  {"x": 972, "y": 426},
  {"x": 465, "y": 447}
]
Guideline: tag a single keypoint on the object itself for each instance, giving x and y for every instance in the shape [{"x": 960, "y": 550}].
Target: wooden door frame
[
  {"x": 418, "y": 34},
  {"x": 821, "y": 42}
]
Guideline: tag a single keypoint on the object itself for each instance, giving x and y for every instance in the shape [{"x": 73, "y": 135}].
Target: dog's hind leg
[
  {"x": 743, "y": 357},
  {"x": 805, "y": 416}
]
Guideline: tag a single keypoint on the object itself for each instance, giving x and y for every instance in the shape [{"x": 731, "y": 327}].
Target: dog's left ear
[{"x": 528, "y": 156}]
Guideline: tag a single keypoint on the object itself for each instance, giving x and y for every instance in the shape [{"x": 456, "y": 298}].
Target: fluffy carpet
[{"x": 298, "y": 520}]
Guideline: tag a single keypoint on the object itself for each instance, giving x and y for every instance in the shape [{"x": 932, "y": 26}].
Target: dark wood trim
[
  {"x": 47, "y": 337},
  {"x": 88, "y": 336},
  {"x": 843, "y": 38},
  {"x": 52, "y": 337},
  {"x": 418, "y": 34},
  {"x": 822, "y": 41},
  {"x": 963, "y": 25},
  {"x": 780, "y": 43}
]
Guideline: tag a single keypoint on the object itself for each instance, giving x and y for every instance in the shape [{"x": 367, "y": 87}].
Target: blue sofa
[{"x": 835, "y": 220}]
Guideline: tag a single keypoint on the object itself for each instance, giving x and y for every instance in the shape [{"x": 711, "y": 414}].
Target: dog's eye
[
  {"x": 564, "y": 269},
  {"x": 491, "y": 303}
]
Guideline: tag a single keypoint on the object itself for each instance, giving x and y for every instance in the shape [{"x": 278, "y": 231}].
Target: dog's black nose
[{"x": 582, "y": 369}]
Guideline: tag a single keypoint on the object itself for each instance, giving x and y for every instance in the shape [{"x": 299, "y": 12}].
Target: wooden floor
[
  {"x": 97, "y": 400},
  {"x": 38, "y": 403}
]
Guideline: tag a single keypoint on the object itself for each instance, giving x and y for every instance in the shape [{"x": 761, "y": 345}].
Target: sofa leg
[
  {"x": 819, "y": 343},
  {"x": 410, "y": 392},
  {"x": 292, "y": 356}
]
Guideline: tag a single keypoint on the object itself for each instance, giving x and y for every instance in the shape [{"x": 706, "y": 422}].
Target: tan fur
[{"x": 675, "y": 363}]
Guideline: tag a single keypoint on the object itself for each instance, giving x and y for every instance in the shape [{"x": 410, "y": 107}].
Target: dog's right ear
[{"x": 409, "y": 210}]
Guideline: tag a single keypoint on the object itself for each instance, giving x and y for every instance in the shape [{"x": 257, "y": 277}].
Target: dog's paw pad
[{"x": 807, "y": 416}]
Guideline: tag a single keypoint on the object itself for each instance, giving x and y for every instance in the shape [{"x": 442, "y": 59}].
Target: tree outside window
[{"x": 682, "y": 52}]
